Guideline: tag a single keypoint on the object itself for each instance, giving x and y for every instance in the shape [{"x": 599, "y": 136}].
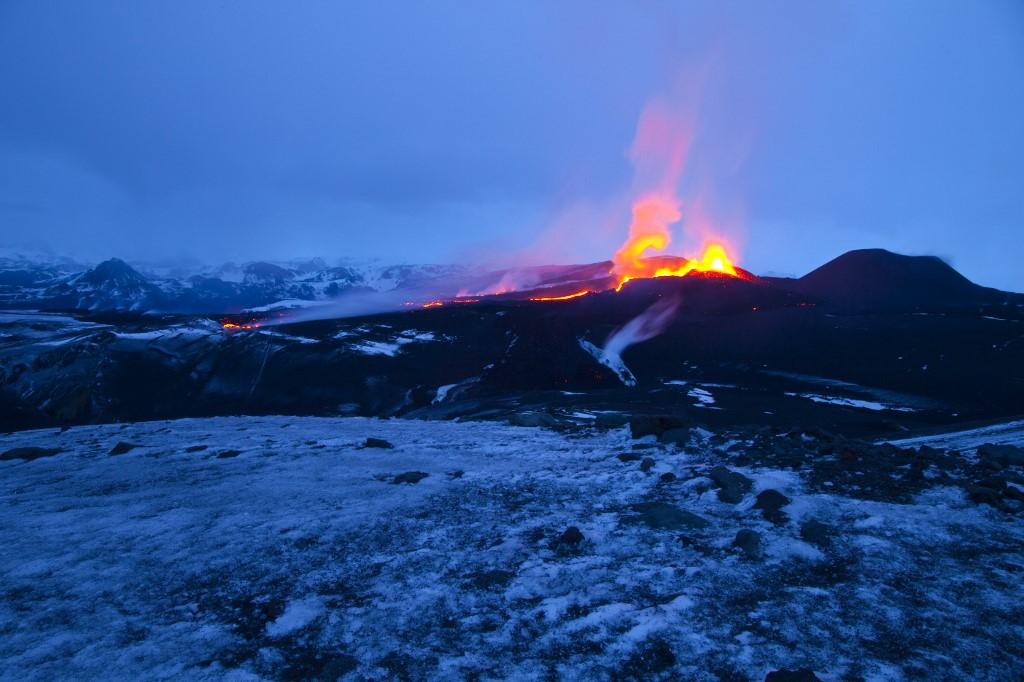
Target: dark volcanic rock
[
  {"x": 377, "y": 443},
  {"x": 571, "y": 537},
  {"x": 983, "y": 495},
  {"x": 196, "y": 448},
  {"x": 816, "y": 532},
  {"x": 750, "y": 542},
  {"x": 1001, "y": 455},
  {"x": 629, "y": 457},
  {"x": 485, "y": 580},
  {"x": 665, "y": 516},
  {"x": 801, "y": 675},
  {"x": 653, "y": 425},
  {"x": 771, "y": 502},
  {"x": 732, "y": 486},
  {"x": 667, "y": 477},
  {"x": 411, "y": 477},
  {"x": 647, "y": 464},
  {"x": 679, "y": 437},
  {"x": 29, "y": 453},
  {"x": 651, "y": 657},
  {"x": 228, "y": 454},
  {"x": 122, "y": 447}
]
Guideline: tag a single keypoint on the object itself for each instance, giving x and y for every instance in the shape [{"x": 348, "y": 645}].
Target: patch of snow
[{"x": 850, "y": 402}]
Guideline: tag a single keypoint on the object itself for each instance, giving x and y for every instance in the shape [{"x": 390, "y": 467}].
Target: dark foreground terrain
[{"x": 353, "y": 548}]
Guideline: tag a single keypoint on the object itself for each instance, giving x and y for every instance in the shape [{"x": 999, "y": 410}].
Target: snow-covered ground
[{"x": 280, "y": 548}]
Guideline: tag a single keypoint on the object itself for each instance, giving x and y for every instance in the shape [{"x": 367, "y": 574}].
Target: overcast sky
[{"x": 439, "y": 131}]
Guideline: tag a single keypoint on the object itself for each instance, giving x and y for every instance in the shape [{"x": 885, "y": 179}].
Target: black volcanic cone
[{"x": 877, "y": 280}]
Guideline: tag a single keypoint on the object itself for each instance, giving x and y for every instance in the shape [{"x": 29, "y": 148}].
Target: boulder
[
  {"x": 653, "y": 425},
  {"x": 732, "y": 486},
  {"x": 411, "y": 477},
  {"x": 29, "y": 453},
  {"x": 647, "y": 464},
  {"x": 1001, "y": 455},
  {"x": 378, "y": 443},
  {"x": 771, "y": 502},
  {"x": 816, "y": 533},
  {"x": 571, "y": 537},
  {"x": 228, "y": 454},
  {"x": 122, "y": 447},
  {"x": 749, "y": 541},
  {"x": 665, "y": 516},
  {"x": 679, "y": 437}
]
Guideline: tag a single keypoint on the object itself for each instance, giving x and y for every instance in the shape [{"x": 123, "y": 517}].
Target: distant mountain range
[
  {"x": 862, "y": 280},
  {"x": 115, "y": 285}
]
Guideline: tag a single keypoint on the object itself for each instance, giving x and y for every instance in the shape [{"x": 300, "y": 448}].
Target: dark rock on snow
[
  {"x": 28, "y": 454},
  {"x": 228, "y": 454},
  {"x": 750, "y": 542},
  {"x": 653, "y": 425},
  {"x": 647, "y": 464},
  {"x": 379, "y": 443},
  {"x": 122, "y": 447},
  {"x": 572, "y": 536},
  {"x": 816, "y": 532},
  {"x": 1001, "y": 455},
  {"x": 196, "y": 448},
  {"x": 411, "y": 477},
  {"x": 664, "y": 516},
  {"x": 771, "y": 502},
  {"x": 732, "y": 486}
]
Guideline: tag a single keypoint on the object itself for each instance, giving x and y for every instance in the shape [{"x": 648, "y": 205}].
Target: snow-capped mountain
[{"x": 36, "y": 281}]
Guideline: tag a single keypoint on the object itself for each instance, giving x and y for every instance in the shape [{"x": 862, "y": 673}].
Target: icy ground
[{"x": 280, "y": 548}]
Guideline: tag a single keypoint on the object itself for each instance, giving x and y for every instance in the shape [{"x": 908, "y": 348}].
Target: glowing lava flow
[{"x": 561, "y": 298}]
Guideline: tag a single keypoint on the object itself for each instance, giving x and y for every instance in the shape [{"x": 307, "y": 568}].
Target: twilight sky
[{"x": 501, "y": 131}]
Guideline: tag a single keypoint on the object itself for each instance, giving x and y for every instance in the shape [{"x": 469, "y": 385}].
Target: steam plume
[{"x": 648, "y": 324}]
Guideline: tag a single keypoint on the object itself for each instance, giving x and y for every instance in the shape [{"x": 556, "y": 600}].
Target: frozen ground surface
[{"x": 278, "y": 548}]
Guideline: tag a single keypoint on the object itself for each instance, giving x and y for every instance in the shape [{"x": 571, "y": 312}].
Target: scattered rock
[
  {"x": 571, "y": 537},
  {"x": 983, "y": 495},
  {"x": 485, "y": 580},
  {"x": 1001, "y": 455},
  {"x": 783, "y": 675},
  {"x": 647, "y": 464},
  {"x": 651, "y": 657},
  {"x": 750, "y": 542},
  {"x": 123, "y": 447},
  {"x": 679, "y": 437},
  {"x": 411, "y": 477},
  {"x": 653, "y": 425},
  {"x": 628, "y": 457},
  {"x": 664, "y": 516},
  {"x": 771, "y": 502},
  {"x": 196, "y": 448},
  {"x": 667, "y": 477},
  {"x": 732, "y": 486},
  {"x": 452, "y": 475},
  {"x": 228, "y": 454},
  {"x": 378, "y": 443},
  {"x": 29, "y": 453},
  {"x": 817, "y": 533}
]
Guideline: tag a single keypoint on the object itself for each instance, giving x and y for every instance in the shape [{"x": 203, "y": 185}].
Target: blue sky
[{"x": 500, "y": 131}]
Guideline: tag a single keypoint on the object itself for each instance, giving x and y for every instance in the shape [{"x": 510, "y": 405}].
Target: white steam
[{"x": 648, "y": 324}]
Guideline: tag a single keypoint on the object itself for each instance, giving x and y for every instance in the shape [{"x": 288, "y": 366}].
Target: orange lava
[
  {"x": 562, "y": 298},
  {"x": 433, "y": 304}
]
